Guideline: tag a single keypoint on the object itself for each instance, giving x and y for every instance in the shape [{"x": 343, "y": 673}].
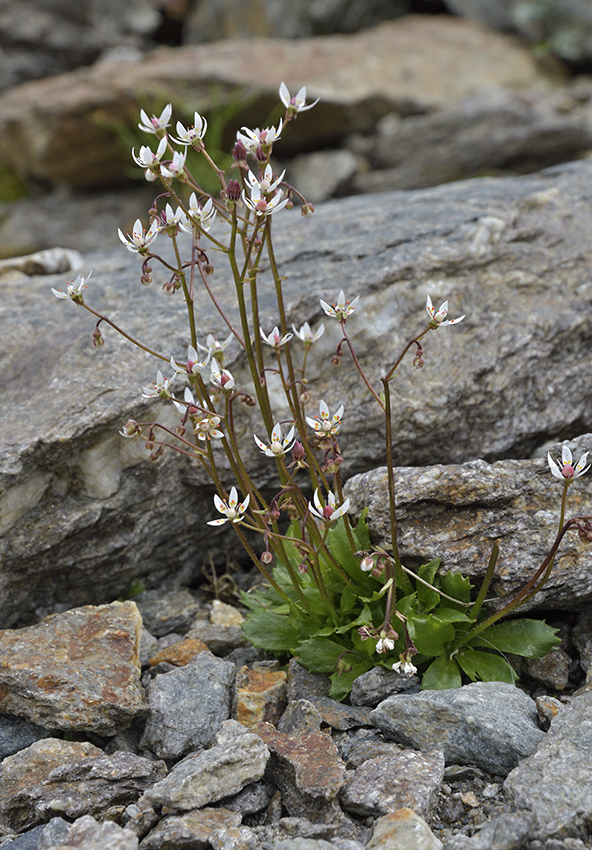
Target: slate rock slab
[
  {"x": 83, "y": 512},
  {"x": 492, "y": 725},
  {"x": 554, "y": 782},
  {"x": 76, "y": 671},
  {"x": 54, "y": 777}
]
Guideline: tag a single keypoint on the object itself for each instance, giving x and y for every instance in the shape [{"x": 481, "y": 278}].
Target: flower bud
[
  {"x": 298, "y": 452},
  {"x": 266, "y": 558},
  {"x": 97, "y": 338},
  {"x": 239, "y": 153},
  {"x": 307, "y": 210},
  {"x": 367, "y": 563},
  {"x": 336, "y": 360},
  {"x": 233, "y": 190},
  {"x": 130, "y": 428}
]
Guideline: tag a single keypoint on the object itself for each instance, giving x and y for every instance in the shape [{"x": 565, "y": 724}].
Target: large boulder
[
  {"x": 66, "y": 130},
  {"x": 83, "y": 512}
]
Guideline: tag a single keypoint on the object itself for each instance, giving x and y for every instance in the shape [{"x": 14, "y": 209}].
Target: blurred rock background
[{"x": 414, "y": 93}]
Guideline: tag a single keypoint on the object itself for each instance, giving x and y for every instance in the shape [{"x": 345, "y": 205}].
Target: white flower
[
  {"x": 193, "y": 364},
  {"x": 264, "y": 206},
  {"x": 160, "y": 388},
  {"x": 176, "y": 167},
  {"x": 306, "y": 335},
  {"x": 73, "y": 289},
  {"x": 214, "y": 346},
  {"x": 278, "y": 445},
  {"x": 172, "y": 221},
  {"x": 385, "y": 645},
  {"x": 199, "y": 216},
  {"x": 232, "y": 511},
  {"x": 327, "y": 512},
  {"x": 342, "y": 309},
  {"x": 297, "y": 103},
  {"x": 266, "y": 184},
  {"x": 187, "y": 395},
  {"x": 139, "y": 240},
  {"x": 154, "y": 124},
  {"x": 405, "y": 667},
  {"x": 565, "y": 470},
  {"x": 207, "y": 428},
  {"x": 324, "y": 424},
  {"x": 221, "y": 377},
  {"x": 438, "y": 318},
  {"x": 253, "y": 139},
  {"x": 193, "y": 134},
  {"x": 146, "y": 157},
  {"x": 274, "y": 338}
]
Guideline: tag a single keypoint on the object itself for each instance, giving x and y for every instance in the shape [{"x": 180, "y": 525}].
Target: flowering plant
[{"x": 331, "y": 597}]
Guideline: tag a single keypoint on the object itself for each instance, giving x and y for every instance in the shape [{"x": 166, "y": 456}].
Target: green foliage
[{"x": 324, "y": 635}]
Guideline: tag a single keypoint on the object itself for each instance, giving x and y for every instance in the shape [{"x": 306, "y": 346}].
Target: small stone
[
  {"x": 299, "y": 718},
  {"x": 253, "y": 798},
  {"x": 405, "y": 780},
  {"x": 221, "y": 640},
  {"x": 225, "y": 615},
  {"x": 359, "y": 752},
  {"x": 179, "y": 653},
  {"x": 164, "y": 612},
  {"x": 469, "y": 799},
  {"x": 308, "y": 771},
  {"x": 204, "y": 778},
  {"x": 148, "y": 646},
  {"x": 403, "y": 829},
  {"x": 489, "y": 724},
  {"x": 188, "y": 706},
  {"x": 259, "y": 695},
  {"x": 302, "y": 684},
  {"x": 547, "y": 709},
  {"x": 89, "y": 834},
  {"x": 54, "y": 777},
  {"x": 379, "y": 683},
  {"x": 340, "y": 716},
  {"x": 16, "y": 734},
  {"x": 192, "y": 830},
  {"x": 79, "y": 670},
  {"x": 552, "y": 670}
]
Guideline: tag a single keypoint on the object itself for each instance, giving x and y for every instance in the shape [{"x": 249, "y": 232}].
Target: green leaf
[
  {"x": 442, "y": 673},
  {"x": 486, "y": 666},
  {"x": 457, "y": 586},
  {"x": 430, "y": 635},
  {"x": 451, "y": 615},
  {"x": 531, "y": 638},
  {"x": 427, "y": 598},
  {"x": 271, "y": 631},
  {"x": 320, "y": 655}
]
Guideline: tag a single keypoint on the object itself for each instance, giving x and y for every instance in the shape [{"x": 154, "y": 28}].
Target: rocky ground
[{"x": 153, "y": 724}]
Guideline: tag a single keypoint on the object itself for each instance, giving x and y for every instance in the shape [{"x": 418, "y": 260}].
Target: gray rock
[
  {"x": 77, "y": 671},
  {"x": 340, "y": 716},
  {"x": 87, "y": 834},
  {"x": 300, "y": 717},
  {"x": 192, "y": 830},
  {"x": 43, "y": 38},
  {"x": 417, "y": 62},
  {"x": 387, "y": 783},
  {"x": 509, "y": 831},
  {"x": 554, "y": 781},
  {"x": 582, "y": 638},
  {"x": 403, "y": 830},
  {"x": 323, "y": 174},
  {"x": 27, "y": 841},
  {"x": 53, "y": 833},
  {"x": 222, "y": 640},
  {"x": 468, "y": 506},
  {"x": 489, "y": 132},
  {"x": 379, "y": 683},
  {"x": 302, "y": 684},
  {"x": 213, "y": 20},
  {"x": 53, "y": 777},
  {"x": 167, "y": 611},
  {"x": 207, "y": 777},
  {"x": 253, "y": 797},
  {"x": 356, "y": 751},
  {"x": 188, "y": 706},
  {"x": 66, "y": 499},
  {"x": 489, "y": 724},
  {"x": 16, "y": 734}
]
